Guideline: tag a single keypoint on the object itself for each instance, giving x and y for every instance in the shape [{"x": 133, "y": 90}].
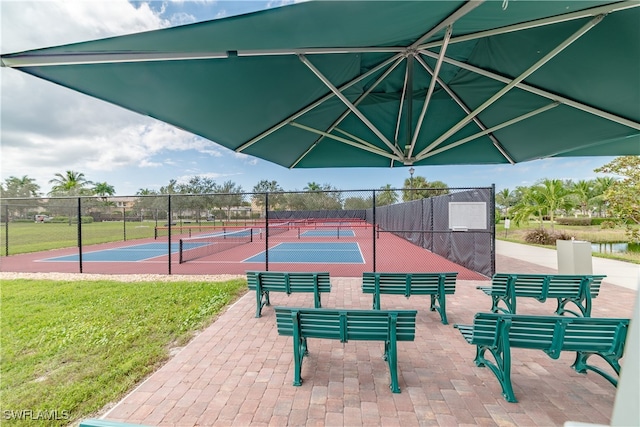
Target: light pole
[{"x": 411, "y": 171}]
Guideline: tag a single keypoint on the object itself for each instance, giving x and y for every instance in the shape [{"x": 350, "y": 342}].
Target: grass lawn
[
  {"x": 68, "y": 348},
  {"x": 25, "y": 237},
  {"x": 593, "y": 234}
]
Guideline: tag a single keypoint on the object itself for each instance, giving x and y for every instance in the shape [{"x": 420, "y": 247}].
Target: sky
[{"x": 47, "y": 129}]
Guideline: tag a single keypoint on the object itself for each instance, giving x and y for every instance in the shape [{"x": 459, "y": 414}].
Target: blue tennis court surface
[
  {"x": 313, "y": 252},
  {"x": 328, "y": 233},
  {"x": 133, "y": 253}
]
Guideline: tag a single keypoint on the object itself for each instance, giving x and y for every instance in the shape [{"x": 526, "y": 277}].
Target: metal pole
[
  {"x": 492, "y": 210},
  {"x": 169, "y": 218},
  {"x": 80, "y": 232},
  {"x": 374, "y": 230},
  {"x": 266, "y": 232},
  {"x": 411, "y": 171},
  {"x": 124, "y": 223},
  {"x": 6, "y": 230}
]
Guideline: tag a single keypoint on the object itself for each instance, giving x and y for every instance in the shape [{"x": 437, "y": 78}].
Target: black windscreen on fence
[{"x": 343, "y": 232}]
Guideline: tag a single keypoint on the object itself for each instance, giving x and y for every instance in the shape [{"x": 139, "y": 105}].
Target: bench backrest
[
  {"x": 347, "y": 324},
  {"x": 408, "y": 283},
  {"x": 543, "y": 286},
  {"x": 289, "y": 282},
  {"x": 552, "y": 334}
]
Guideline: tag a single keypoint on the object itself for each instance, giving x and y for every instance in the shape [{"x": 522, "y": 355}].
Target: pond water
[{"x": 612, "y": 248}]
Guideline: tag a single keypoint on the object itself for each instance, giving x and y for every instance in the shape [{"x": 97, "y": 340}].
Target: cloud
[{"x": 48, "y": 129}]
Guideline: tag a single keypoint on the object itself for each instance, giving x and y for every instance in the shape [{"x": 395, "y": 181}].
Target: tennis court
[
  {"x": 135, "y": 253},
  {"x": 312, "y": 253},
  {"x": 409, "y": 236}
]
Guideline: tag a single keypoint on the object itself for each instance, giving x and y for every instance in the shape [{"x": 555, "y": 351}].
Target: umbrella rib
[
  {"x": 490, "y": 130},
  {"x": 404, "y": 92},
  {"x": 357, "y": 102},
  {"x": 45, "y": 60},
  {"x": 363, "y": 146},
  {"x": 605, "y": 9},
  {"x": 541, "y": 92},
  {"x": 313, "y": 105},
  {"x": 513, "y": 83},
  {"x": 467, "y": 110},
  {"x": 432, "y": 86},
  {"x": 348, "y": 103},
  {"x": 448, "y": 21}
]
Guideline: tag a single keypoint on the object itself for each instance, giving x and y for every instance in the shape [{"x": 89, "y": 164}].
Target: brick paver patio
[{"x": 238, "y": 372}]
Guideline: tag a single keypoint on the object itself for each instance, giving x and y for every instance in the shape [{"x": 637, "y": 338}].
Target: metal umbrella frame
[{"x": 434, "y": 83}]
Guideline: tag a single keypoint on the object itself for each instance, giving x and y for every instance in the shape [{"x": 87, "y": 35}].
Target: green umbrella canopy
[{"x": 380, "y": 83}]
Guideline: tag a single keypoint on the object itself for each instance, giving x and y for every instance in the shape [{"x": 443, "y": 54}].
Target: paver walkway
[{"x": 238, "y": 372}]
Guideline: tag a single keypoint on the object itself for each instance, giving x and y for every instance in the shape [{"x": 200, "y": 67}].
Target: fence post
[
  {"x": 266, "y": 231},
  {"x": 124, "y": 223},
  {"x": 6, "y": 230},
  {"x": 80, "y": 232},
  {"x": 169, "y": 220},
  {"x": 492, "y": 221},
  {"x": 373, "y": 235}
]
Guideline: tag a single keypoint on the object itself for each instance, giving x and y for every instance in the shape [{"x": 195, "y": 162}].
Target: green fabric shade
[{"x": 351, "y": 84}]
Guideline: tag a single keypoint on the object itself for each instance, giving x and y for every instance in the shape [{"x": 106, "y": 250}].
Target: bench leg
[
  {"x": 581, "y": 366},
  {"x": 501, "y": 366},
  {"x": 391, "y": 356},
  {"x": 585, "y": 310},
  {"x": 262, "y": 299},
  {"x": 441, "y": 307},
  {"x": 376, "y": 301},
  {"x": 299, "y": 351}
]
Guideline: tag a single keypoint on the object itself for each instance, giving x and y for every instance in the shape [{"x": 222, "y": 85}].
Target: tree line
[{"x": 616, "y": 198}]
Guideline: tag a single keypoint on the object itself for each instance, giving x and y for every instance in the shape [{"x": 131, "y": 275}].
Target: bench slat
[
  {"x": 264, "y": 282},
  {"x": 566, "y": 289},
  {"x": 497, "y": 333},
  {"x": 437, "y": 285},
  {"x": 345, "y": 325}
]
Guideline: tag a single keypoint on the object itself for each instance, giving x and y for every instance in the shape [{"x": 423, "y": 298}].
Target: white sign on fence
[{"x": 467, "y": 216}]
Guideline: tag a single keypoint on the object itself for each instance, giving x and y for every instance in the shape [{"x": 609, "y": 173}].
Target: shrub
[
  {"x": 574, "y": 221},
  {"x": 541, "y": 236}
]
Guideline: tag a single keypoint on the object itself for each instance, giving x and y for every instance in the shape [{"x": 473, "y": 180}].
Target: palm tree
[
  {"x": 553, "y": 195},
  {"x": 529, "y": 204},
  {"x": 145, "y": 192},
  {"x": 600, "y": 187},
  {"x": 313, "y": 186},
  {"x": 103, "y": 190},
  {"x": 505, "y": 199},
  {"x": 69, "y": 183},
  {"x": 419, "y": 188},
  {"x": 583, "y": 190},
  {"x": 386, "y": 196}
]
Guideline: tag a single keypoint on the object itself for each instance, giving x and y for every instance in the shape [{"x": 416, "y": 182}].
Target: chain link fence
[{"x": 344, "y": 232}]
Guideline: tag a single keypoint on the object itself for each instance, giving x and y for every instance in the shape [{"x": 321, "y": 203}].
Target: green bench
[
  {"x": 264, "y": 282},
  {"x": 578, "y": 290},
  {"x": 345, "y": 325},
  {"x": 437, "y": 285},
  {"x": 498, "y": 333}
]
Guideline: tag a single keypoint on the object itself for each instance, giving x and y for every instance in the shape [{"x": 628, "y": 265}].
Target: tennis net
[{"x": 192, "y": 248}]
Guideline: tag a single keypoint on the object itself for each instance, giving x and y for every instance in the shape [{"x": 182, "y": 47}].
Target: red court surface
[{"x": 392, "y": 254}]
